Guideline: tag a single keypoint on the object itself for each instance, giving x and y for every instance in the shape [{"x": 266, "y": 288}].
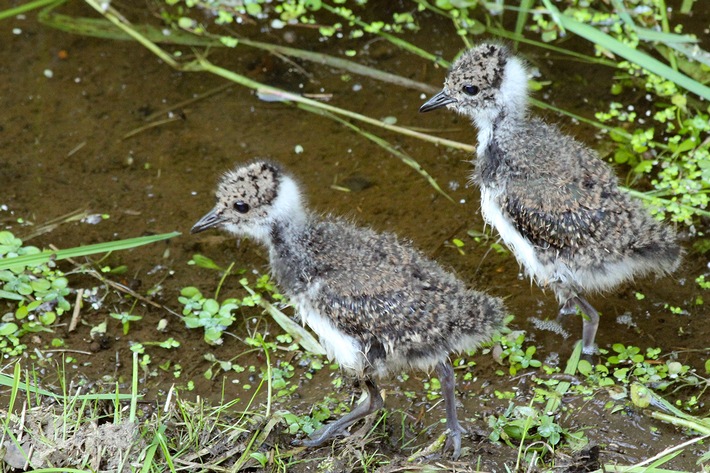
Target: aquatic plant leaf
[{"x": 45, "y": 256}]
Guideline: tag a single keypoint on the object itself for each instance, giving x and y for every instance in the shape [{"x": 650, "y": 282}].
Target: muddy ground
[{"x": 65, "y": 148}]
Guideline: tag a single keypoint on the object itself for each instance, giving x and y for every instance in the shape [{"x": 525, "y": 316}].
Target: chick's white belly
[
  {"x": 341, "y": 347},
  {"x": 523, "y": 250}
]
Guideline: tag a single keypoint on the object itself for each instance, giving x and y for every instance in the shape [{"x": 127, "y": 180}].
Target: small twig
[
  {"x": 118, "y": 286},
  {"x": 206, "y": 467},
  {"x": 77, "y": 307},
  {"x": 680, "y": 422},
  {"x": 434, "y": 254},
  {"x": 67, "y": 350},
  {"x": 155, "y": 124},
  {"x": 435, "y": 446},
  {"x": 169, "y": 398},
  {"x": 22, "y": 421},
  {"x": 294, "y": 65},
  {"x": 189, "y": 101},
  {"x": 669, "y": 450},
  {"x": 321, "y": 97},
  {"x": 51, "y": 224},
  {"x": 76, "y": 148},
  {"x": 29, "y": 456}
]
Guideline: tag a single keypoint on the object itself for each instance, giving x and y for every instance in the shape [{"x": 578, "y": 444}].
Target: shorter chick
[{"x": 377, "y": 304}]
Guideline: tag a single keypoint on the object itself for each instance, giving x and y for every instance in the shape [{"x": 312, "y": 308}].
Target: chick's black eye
[
  {"x": 470, "y": 89},
  {"x": 241, "y": 207}
]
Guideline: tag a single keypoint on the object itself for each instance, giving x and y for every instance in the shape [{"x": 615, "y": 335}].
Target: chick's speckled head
[
  {"x": 476, "y": 76},
  {"x": 484, "y": 81},
  {"x": 250, "y": 198}
]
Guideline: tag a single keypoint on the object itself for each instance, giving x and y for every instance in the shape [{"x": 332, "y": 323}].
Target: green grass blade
[
  {"x": 299, "y": 334},
  {"x": 57, "y": 470},
  {"x": 27, "y": 7},
  {"x": 112, "y": 15},
  {"x": 134, "y": 389},
  {"x": 43, "y": 257},
  {"x": 525, "y": 7},
  {"x": 167, "y": 455},
  {"x": 150, "y": 452},
  {"x": 681, "y": 423},
  {"x": 664, "y": 459},
  {"x": 14, "y": 384},
  {"x": 571, "y": 369},
  {"x": 9, "y": 382},
  {"x": 664, "y": 37},
  {"x": 660, "y": 458},
  {"x": 686, "y": 7},
  {"x": 101, "y": 28},
  {"x": 691, "y": 51},
  {"x": 620, "y": 10},
  {"x": 647, "y": 34}
]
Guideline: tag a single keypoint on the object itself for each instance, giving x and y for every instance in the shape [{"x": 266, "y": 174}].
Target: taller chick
[{"x": 555, "y": 204}]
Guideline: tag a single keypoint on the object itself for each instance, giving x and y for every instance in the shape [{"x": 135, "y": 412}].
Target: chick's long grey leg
[
  {"x": 568, "y": 308},
  {"x": 372, "y": 403},
  {"x": 589, "y": 326},
  {"x": 590, "y": 322},
  {"x": 445, "y": 372}
]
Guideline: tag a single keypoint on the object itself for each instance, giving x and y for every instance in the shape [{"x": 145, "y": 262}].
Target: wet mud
[{"x": 69, "y": 143}]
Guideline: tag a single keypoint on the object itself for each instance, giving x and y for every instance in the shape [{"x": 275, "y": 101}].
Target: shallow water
[{"x": 66, "y": 146}]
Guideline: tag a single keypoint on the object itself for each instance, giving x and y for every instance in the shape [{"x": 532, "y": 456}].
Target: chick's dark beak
[
  {"x": 439, "y": 100},
  {"x": 211, "y": 220}
]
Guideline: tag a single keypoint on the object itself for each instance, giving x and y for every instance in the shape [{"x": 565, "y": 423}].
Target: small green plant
[
  {"x": 38, "y": 290},
  {"x": 518, "y": 358},
  {"x": 145, "y": 360},
  {"x": 280, "y": 379},
  {"x": 457, "y": 244},
  {"x": 282, "y": 14},
  {"x": 307, "y": 424},
  {"x": 216, "y": 317},
  {"x": 433, "y": 389},
  {"x": 221, "y": 365},
  {"x": 487, "y": 238},
  {"x": 213, "y": 316},
  {"x": 629, "y": 364},
  {"x": 125, "y": 318},
  {"x": 529, "y": 424}
]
